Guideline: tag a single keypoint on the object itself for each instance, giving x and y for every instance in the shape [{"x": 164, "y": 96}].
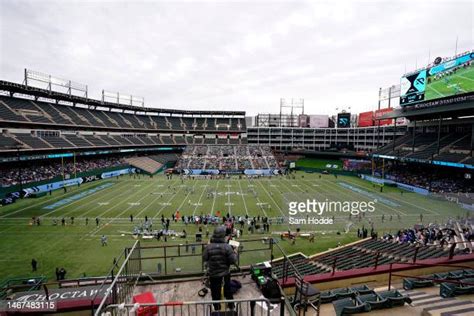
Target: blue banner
[
  {"x": 451, "y": 64},
  {"x": 76, "y": 181},
  {"x": 412, "y": 188}
]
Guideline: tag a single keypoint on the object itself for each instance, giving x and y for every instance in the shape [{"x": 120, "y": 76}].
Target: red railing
[
  {"x": 378, "y": 254},
  {"x": 428, "y": 265}
]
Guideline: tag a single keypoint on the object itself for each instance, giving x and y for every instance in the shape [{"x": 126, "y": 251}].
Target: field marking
[
  {"x": 338, "y": 188},
  {"x": 341, "y": 191},
  {"x": 229, "y": 209},
  {"x": 85, "y": 202},
  {"x": 186, "y": 197},
  {"x": 258, "y": 201},
  {"x": 403, "y": 201},
  {"x": 127, "y": 209},
  {"x": 215, "y": 196},
  {"x": 173, "y": 195},
  {"x": 68, "y": 236},
  {"x": 97, "y": 229},
  {"x": 153, "y": 201},
  {"x": 436, "y": 91},
  {"x": 242, "y": 195},
  {"x": 59, "y": 197},
  {"x": 112, "y": 193},
  {"x": 271, "y": 197},
  {"x": 204, "y": 187}
]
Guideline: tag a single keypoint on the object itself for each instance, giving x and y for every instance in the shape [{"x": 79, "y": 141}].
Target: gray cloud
[{"x": 232, "y": 55}]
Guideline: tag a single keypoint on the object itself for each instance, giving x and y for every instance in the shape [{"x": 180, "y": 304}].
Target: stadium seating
[
  {"x": 356, "y": 256},
  {"x": 40, "y": 112},
  {"x": 165, "y": 158},
  {"x": 453, "y": 147},
  {"x": 144, "y": 163},
  {"x": 45, "y": 170},
  {"x": 227, "y": 157},
  {"x": 304, "y": 266},
  {"x": 7, "y": 142}
]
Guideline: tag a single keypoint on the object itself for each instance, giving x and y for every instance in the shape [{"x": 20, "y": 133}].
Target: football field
[
  {"x": 460, "y": 82},
  {"x": 76, "y": 246}
]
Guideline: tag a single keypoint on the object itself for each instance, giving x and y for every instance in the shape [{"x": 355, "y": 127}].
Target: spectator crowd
[
  {"x": 227, "y": 157},
  {"x": 35, "y": 171}
]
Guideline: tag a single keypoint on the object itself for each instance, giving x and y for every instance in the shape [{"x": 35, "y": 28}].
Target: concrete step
[{"x": 429, "y": 303}]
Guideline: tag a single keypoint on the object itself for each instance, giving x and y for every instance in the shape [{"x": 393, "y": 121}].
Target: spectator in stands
[
  {"x": 218, "y": 257},
  {"x": 45, "y": 170}
]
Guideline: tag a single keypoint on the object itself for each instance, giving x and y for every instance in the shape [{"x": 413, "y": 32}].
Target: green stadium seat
[
  {"x": 374, "y": 301},
  {"x": 395, "y": 298},
  {"x": 347, "y": 306}
]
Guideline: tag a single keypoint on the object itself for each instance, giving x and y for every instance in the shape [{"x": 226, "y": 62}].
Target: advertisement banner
[
  {"x": 366, "y": 119},
  {"x": 318, "y": 121},
  {"x": 261, "y": 172},
  {"x": 200, "y": 172},
  {"x": 381, "y": 112},
  {"x": 413, "y": 188},
  {"x": 303, "y": 120},
  {"x": 76, "y": 181}
]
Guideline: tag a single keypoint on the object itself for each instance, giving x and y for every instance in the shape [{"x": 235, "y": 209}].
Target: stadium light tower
[
  {"x": 118, "y": 98},
  {"x": 53, "y": 83},
  {"x": 388, "y": 94},
  {"x": 293, "y": 104}
]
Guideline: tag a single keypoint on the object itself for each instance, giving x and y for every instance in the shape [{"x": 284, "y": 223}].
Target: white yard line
[
  {"x": 229, "y": 210},
  {"x": 259, "y": 202},
  {"x": 97, "y": 229},
  {"x": 242, "y": 195},
  {"x": 271, "y": 197},
  {"x": 187, "y": 195},
  {"x": 200, "y": 197},
  {"x": 215, "y": 196},
  {"x": 53, "y": 200},
  {"x": 340, "y": 190},
  {"x": 403, "y": 201}
]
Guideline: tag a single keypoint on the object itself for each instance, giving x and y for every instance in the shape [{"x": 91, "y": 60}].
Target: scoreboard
[
  {"x": 344, "y": 120},
  {"x": 447, "y": 79}
]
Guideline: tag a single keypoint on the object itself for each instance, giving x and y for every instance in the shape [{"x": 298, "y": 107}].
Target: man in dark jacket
[{"x": 219, "y": 256}]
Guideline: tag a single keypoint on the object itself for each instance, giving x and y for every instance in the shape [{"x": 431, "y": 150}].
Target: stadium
[{"x": 111, "y": 205}]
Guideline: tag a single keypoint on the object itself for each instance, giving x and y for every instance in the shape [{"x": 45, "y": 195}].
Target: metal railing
[
  {"x": 300, "y": 301},
  {"x": 186, "y": 259},
  {"x": 124, "y": 281},
  {"x": 427, "y": 265},
  {"x": 251, "y": 307},
  {"x": 412, "y": 256},
  {"x": 115, "y": 296}
]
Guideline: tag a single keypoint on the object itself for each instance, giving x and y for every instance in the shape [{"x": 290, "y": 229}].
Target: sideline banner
[{"x": 44, "y": 188}]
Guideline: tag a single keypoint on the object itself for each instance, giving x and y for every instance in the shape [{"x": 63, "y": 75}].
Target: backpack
[
  {"x": 235, "y": 286},
  {"x": 271, "y": 290}
]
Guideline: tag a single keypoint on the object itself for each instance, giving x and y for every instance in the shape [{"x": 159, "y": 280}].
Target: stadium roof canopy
[
  {"x": 59, "y": 96},
  {"x": 465, "y": 107}
]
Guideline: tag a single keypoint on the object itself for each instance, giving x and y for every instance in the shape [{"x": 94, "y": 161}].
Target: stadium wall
[{"x": 4, "y": 191}]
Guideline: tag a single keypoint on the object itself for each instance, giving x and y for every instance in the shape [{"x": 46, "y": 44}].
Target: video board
[
  {"x": 444, "y": 80},
  {"x": 344, "y": 120}
]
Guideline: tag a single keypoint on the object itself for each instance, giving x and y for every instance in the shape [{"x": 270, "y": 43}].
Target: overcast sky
[{"x": 233, "y": 55}]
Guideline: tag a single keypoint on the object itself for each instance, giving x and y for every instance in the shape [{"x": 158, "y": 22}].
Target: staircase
[{"x": 429, "y": 303}]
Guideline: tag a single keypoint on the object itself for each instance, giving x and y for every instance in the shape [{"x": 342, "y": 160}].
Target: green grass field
[
  {"x": 319, "y": 163},
  {"x": 77, "y": 247},
  {"x": 463, "y": 79}
]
